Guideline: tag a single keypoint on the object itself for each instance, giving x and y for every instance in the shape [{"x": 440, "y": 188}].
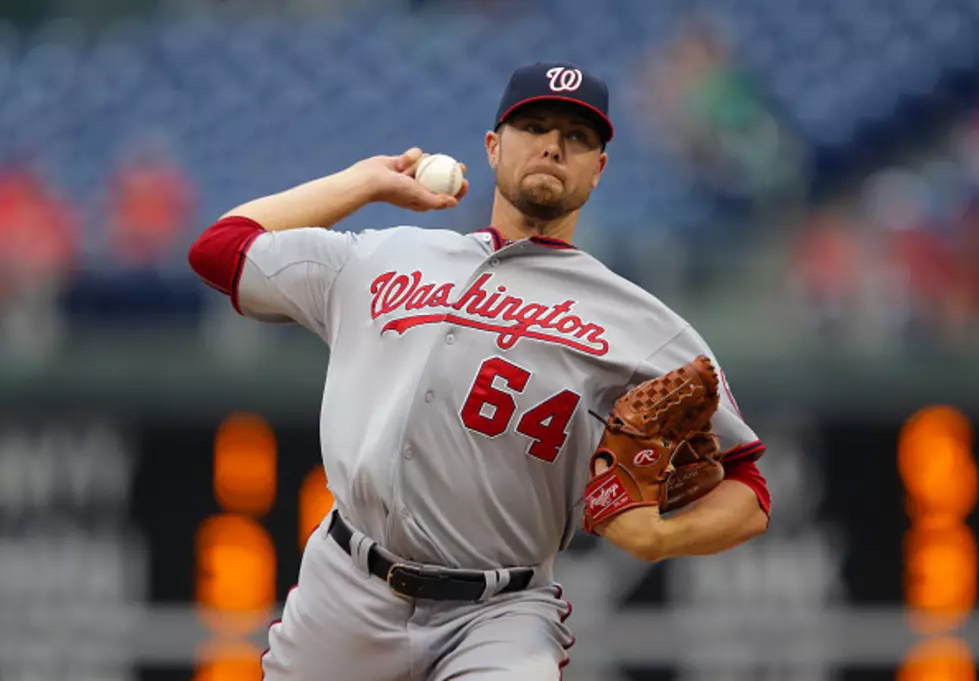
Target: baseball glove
[
  {"x": 648, "y": 426},
  {"x": 697, "y": 470}
]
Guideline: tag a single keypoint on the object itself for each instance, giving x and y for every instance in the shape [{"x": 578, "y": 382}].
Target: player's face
[{"x": 548, "y": 158}]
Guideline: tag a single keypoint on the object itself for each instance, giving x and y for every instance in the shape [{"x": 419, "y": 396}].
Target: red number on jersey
[
  {"x": 483, "y": 395},
  {"x": 545, "y": 424}
]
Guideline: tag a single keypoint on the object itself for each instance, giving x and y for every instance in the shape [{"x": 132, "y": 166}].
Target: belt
[{"x": 414, "y": 580}]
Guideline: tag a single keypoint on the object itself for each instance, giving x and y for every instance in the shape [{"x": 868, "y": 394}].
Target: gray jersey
[{"x": 455, "y": 420}]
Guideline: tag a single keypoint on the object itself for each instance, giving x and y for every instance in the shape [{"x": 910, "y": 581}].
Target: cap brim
[{"x": 603, "y": 120}]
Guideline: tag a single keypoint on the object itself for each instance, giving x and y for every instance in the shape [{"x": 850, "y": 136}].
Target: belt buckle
[
  {"x": 422, "y": 574},
  {"x": 396, "y": 566}
]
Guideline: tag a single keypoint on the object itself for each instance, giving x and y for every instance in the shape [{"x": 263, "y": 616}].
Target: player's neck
[{"x": 514, "y": 225}]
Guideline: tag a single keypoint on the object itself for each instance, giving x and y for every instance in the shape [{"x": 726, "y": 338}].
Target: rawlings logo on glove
[
  {"x": 658, "y": 428},
  {"x": 647, "y": 457},
  {"x": 609, "y": 495}
]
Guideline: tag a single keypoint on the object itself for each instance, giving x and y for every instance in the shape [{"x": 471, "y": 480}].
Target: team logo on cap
[{"x": 564, "y": 80}]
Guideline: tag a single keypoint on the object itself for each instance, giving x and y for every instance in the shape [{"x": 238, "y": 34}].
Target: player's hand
[
  {"x": 636, "y": 531},
  {"x": 392, "y": 179}
]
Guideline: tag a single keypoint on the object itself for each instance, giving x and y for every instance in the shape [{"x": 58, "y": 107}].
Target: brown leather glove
[
  {"x": 698, "y": 470},
  {"x": 646, "y": 427}
]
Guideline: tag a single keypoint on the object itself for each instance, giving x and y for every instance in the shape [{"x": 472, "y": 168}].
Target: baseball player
[{"x": 459, "y": 413}]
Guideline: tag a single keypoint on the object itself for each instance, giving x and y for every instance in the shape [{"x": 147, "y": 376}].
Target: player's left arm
[
  {"x": 730, "y": 515},
  {"x": 736, "y": 511}
]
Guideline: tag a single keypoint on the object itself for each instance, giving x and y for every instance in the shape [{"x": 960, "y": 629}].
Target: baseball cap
[{"x": 558, "y": 81}]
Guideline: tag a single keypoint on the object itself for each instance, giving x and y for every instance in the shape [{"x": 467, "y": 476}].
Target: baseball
[{"x": 440, "y": 174}]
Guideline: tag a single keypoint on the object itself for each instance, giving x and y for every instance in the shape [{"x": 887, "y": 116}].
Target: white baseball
[{"x": 440, "y": 174}]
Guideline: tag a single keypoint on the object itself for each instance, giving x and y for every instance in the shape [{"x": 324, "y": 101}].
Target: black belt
[{"x": 413, "y": 580}]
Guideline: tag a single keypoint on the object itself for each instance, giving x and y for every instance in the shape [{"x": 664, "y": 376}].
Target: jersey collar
[{"x": 499, "y": 242}]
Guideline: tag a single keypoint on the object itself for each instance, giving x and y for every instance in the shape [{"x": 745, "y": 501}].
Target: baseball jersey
[{"x": 465, "y": 380}]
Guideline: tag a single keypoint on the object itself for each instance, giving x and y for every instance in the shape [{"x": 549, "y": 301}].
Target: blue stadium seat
[{"x": 253, "y": 104}]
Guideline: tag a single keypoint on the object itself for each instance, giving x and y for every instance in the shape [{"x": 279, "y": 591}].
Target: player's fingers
[
  {"x": 414, "y": 165},
  {"x": 420, "y": 199},
  {"x": 432, "y": 201},
  {"x": 423, "y": 207},
  {"x": 601, "y": 465},
  {"x": 463, "y": 191},
  {"x": 446, "y": 201},
  {"x": 409, "y": 159}
]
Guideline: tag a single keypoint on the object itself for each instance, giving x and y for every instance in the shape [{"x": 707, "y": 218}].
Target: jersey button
[
  {"x": 494, "y": 262},
  {"x": 450, "y": 338},
  {"x": 409, "y": 453},
  {"x": 429, "y": 396}
]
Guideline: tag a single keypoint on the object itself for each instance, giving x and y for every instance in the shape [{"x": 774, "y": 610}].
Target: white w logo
[{"x": 564, "y": 80}]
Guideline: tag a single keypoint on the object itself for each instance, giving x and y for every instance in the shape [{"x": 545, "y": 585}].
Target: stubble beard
[{"x": 539, "y": 203}]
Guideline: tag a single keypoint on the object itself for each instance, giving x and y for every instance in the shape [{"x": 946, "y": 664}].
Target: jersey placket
[{"x": 424, "y": 394}]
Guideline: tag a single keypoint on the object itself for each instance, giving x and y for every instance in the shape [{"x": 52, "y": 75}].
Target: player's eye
[
  {"x": 535, "y": 128},
  {"x": 583, "y": 136}
]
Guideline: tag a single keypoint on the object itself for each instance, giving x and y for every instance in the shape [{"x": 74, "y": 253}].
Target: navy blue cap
[{"x": 558, "y": 81}]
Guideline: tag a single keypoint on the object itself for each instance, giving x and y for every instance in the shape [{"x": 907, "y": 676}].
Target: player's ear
[
  {"x": 493, "y": 148},
  {"x": 599, "y": 169}
]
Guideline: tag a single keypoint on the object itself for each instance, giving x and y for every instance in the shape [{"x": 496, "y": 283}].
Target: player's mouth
[{"x": 546, "y": 172}]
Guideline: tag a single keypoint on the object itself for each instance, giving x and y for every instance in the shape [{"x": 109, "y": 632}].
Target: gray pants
[{"x": 340, "y": 624}]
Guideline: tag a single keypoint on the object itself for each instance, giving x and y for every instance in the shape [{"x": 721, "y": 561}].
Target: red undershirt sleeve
[
  {"x": 745, "y": 471},
  {"x": 277, "y": 277},
  {"x": 218, "y": 255}
]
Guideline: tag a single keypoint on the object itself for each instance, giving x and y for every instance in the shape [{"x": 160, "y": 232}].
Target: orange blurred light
[
  {"x": 940, "y": 571},
  {"x": 937, "y": 467},
  {"x": 941, "y": 477},
  {"x": 939, "y": 659},
  {"x": 244, "y": 465},
  {"x": 936, "y": 463},
  {"x": 236, "y": 661},
  {"x": 315, "y": 501},
  {"x": 235, "y": 565}
]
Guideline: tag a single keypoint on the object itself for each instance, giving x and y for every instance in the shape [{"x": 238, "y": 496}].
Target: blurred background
[{"x": 798, "y": 179}]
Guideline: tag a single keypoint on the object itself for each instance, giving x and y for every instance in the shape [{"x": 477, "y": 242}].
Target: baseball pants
[{"x": 341, "y": 623}]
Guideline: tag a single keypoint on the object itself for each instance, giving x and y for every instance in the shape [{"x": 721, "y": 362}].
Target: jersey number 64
[{"x": 489, "y": 409}]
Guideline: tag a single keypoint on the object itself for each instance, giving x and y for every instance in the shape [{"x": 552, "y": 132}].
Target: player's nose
[{"x": 552, "y": 145}]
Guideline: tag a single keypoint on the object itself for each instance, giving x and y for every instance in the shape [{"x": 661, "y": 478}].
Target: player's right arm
[
  {"x": 327, "y": 200},
  {"x": 271, "y": 255}
]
